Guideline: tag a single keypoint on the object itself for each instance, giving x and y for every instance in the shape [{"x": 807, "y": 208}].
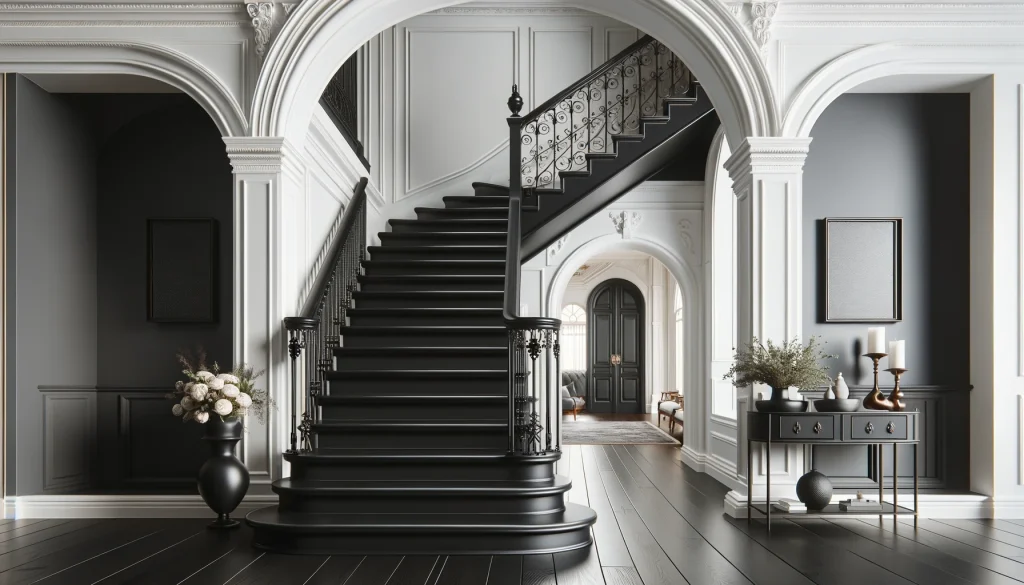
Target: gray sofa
[{"x": 574, "y": 391}]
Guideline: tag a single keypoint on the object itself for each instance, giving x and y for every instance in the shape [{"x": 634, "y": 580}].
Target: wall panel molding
[{"x": 69, "y": 439}]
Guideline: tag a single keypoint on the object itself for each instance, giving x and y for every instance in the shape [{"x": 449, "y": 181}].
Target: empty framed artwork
[
  {"x": 863, "y": 269},
  {"x": 182, "y": 270}
]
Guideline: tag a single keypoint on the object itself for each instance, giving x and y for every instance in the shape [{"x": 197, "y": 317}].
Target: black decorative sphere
[{"x": 814, "y": 489}]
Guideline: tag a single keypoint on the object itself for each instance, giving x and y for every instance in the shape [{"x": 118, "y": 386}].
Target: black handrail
[{"x": 317, "y": 328}]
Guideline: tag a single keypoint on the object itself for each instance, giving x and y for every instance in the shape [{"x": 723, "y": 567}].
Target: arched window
[
  {"x": 574, "y": 338},
  {"x": 678, "y": 307}
]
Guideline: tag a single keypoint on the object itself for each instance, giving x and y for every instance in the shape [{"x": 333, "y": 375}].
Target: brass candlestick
[
  {"x": 896, "y": 396},
  {"x": 875, "y": 400}
]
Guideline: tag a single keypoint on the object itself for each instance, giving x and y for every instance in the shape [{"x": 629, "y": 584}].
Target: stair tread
[
  {"x": 432, "y": 276},
  {"x": 424, "y": 310},
  {"x": 412, "y": 453},
  {"x": 436, "y": 261},
  {"x": 574, "y": 516},
  {"x": 343, "y": 374},
  {"x": 558, "y": 483},
  {"x": 420, "y": 350},
  {"x": 417, "y": 328},
  {"x": 403, "y": 294},
  {"x": 487, "y": 423},
  {"x": 416, "y": 397},
  {"x": 455, "y": 220}
]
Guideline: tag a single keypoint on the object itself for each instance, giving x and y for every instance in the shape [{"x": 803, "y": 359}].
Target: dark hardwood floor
[{"x": 659, "y": 524}]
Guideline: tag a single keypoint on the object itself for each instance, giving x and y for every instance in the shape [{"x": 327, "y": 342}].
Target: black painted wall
[{"x": 900, "y": 155}]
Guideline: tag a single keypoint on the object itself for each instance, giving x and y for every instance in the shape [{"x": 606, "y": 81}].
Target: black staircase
[{"x": 430, "y": 409}]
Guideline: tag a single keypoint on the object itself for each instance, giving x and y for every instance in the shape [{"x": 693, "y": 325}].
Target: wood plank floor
[{"x": 659, "y": 524}]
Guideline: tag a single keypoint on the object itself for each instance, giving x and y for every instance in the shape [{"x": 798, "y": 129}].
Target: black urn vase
[
  {"x": 814, "y": 489},
  {"x": 223, "y": 479}
]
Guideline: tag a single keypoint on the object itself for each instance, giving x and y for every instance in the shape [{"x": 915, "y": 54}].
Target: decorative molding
[
  {"x": 761, "y": 13},
  {"x": 123, "y": 23},
  {"x": 262, "y": 15},
  {"x": 89, "y": 7},
  {"x": 1020, "y": 253},
  {"x": 122, "y": 506},
  {"x": 555, "y": 248},
  {"x": 625, "y": 222},
  {"x": 1020, "y": 439},
  {"x": 684, "y": 226},
  {"x": 776, "y": 156},
  {"x": 509, "y": 11}
]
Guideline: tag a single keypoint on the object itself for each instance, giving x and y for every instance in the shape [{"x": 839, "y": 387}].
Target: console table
[{"x": 873, "y": 428}]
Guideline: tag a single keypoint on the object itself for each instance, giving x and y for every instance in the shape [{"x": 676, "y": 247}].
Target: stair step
[
  {"x": 462, "y": 212},
  {"x": 489, "y": 252},
  {"x": 433, "y": 238},
  {"x": 325, "y": 534},
  {"x": 469, "y": 201},
  {"x": 444, "y": 336},
  {"x": 476, "y": 433},
  {"x": 401, "y": 382},
  {"x": 429, "y": 267},
  {"x": 452, "y": 225},
  {"x": 600, "y": 155},
  {"x": 408, "y": 407},
  {"x": 416, "y": 282},
  {"x": 655, "y": 119},
  {"x": 425, "y": 316},
  {"x": 412, "y": 462},
  {"x": 616, "y": 138},
  {"x": 432, "y": 496},
  {"x": 420, "y": 358},
  {"x": 490, "y": 189},
  {"x": 429, "y": 298},
  {"x": 567, "y": 174}
]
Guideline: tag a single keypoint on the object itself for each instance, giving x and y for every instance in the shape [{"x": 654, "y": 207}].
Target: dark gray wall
[
  {"x": 900, "y": 155},
  {"x": 52, "y": 316}
]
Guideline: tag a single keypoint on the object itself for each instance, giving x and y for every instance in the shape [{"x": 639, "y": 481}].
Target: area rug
[{"x": 614, "y": 433}]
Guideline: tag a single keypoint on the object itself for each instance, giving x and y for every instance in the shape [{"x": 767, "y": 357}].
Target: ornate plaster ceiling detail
[{"x": 625, "y": 222}]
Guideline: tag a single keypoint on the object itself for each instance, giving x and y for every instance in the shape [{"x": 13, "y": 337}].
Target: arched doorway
[{"x": 616, "y": 314}]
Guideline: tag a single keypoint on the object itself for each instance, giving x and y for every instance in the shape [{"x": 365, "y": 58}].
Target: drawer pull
[
  {"x": 890, "y": 428},
  {"x": 869, "y": 428},
  {"x": 817, "y": 428},
  {"x": 796, "y": 428}
]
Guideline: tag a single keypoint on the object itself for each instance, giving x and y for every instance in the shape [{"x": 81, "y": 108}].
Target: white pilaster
[
  {"x": 263, "y": 172},
  {"x": 767, "y": 176}
]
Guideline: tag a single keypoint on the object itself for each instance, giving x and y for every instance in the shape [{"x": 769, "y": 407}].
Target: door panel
[{"x": 616, "y": 317}]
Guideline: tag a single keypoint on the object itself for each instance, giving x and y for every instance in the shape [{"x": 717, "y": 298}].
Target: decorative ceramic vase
[
  {"x": 814, "y": 489},
  {"x": 223, "y": 479},
  {"x": 842, "y": 390}
]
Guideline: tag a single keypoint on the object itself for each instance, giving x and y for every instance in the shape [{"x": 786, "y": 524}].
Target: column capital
[
  {"x": 260, "y": 155},
  {"x": 767, "y": 156}
]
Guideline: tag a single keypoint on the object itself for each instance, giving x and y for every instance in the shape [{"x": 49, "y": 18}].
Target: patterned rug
[{"x": 614, "y": 433}]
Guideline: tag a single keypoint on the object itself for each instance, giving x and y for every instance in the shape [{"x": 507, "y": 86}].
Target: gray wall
[
  {"x": 52, "y": 312},
  {"x": 900, "y": 155}
]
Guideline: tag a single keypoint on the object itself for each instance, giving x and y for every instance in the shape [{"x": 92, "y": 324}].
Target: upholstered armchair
[{"x": 573, "y": 391}]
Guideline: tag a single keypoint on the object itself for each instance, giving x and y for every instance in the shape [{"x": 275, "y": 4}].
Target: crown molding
[{"x": 795, "y": 14}]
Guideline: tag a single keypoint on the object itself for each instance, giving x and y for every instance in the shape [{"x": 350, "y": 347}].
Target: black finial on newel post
[{"x": 515, "y": 101}]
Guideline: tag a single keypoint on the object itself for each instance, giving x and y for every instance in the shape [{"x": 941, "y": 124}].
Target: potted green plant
[{"x": 790, "y": 364}]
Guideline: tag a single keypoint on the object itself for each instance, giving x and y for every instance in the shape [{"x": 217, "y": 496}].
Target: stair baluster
[{"x": 317, "y": 330}]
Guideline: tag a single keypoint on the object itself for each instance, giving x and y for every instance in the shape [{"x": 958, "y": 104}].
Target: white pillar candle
[
  {"x": 897, "y": 355},
  {"x": 876, "y": 340}
]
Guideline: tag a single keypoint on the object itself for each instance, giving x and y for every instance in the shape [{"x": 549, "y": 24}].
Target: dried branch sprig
[{"x": 780, "y": 366}]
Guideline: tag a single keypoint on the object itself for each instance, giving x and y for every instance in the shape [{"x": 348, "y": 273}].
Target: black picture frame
[
  {"x": 862, "y": 270},
  {"x": 181, "y": 272}
]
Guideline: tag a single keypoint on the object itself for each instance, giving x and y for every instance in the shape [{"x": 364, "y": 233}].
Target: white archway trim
[
  {"x": 320, "y": 34},
  {"x": 137, "y": 58},
  {"x": 859, "y": 66}
]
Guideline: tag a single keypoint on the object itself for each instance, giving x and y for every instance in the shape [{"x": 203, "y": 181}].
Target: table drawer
[
  {"x": 807, "y": 428},
  {"x": 881, "y": 427}
]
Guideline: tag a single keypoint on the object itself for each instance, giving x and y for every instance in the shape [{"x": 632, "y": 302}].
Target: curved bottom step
[{"x": 368, "y": 534}]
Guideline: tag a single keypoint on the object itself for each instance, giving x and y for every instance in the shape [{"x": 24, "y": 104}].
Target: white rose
[
  {"x": 244, "y": 400},
  {"x": 187, "y": 403},
  {"x": 231, "y": 391},
  {"x": 222, "y": 407},
  {"x": 204, "y": 375},
  {"x": 177, "y": 410},
  {"x": 199, "y": 392},
  {"x": 228, "y": 378},
  {"x": 215, "y": 383},
  {"x": 202, "y": 417}
]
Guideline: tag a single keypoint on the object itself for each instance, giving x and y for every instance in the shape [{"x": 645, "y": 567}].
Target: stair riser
[
  {"x": 459, "y": 239},
  {"x": 384, "y": 386},
  {"x": 412, "y": 410},
  {"x": 481, "y": 213},
  {"x": 483, "y": 190},
  {"x": 415, "y": 285},
  {"x": 424, "y": 438},
  {"x": 425, "y": 253},
  {"x": 420, "y": 503},
  {"x": 287, "y": 541},
  {"x": 417, "y": 470},
  {"x": 474, "y": 202},
  {"x": 385, "y": 362},
  {"x": 450, "y": 227},
  {"x": 429, "y": 340},
  {"x": 427, "y": 302},
  {"x": 455, "y": 319},
  {"x": 435, "y": 268}
]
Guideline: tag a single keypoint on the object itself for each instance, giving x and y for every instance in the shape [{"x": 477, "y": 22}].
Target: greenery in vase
[
  {"x": 780, "y": 366},
  {"x": 208, "y": 391}
]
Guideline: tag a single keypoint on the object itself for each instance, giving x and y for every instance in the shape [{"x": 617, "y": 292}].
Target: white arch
[
  {"x": 320, "y": 34},
  {"x": 859, "y": 66},
  {"x": 136, "y": 58}
]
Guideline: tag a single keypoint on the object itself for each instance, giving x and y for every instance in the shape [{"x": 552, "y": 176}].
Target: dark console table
[{"x": 873, "y": 428}]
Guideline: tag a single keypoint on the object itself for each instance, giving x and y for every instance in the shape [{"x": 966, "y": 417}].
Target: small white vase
[
  {"x": 842, "y": 390},
  {"x": 829, "y": 394}
]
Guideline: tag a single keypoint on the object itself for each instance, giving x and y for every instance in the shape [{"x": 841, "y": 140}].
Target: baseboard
[
  {"x": 122, "y": 506},
  {"x": 932, "y": 505},
  {"x": 724, "y": 472},
  {"x": 695, "y": 460}
]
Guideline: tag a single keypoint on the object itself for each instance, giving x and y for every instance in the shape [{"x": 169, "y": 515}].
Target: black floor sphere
[{"x": 814, "y": 489}]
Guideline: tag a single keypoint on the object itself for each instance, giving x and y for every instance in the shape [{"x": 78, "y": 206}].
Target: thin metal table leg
[
  {"x": 895, "y": 482},
  {"x": 768, "y": 481},
  {"x": 750, "y": 480},
  {"x": 881, "y": 478},
  {"x": 915, "y": 485}
]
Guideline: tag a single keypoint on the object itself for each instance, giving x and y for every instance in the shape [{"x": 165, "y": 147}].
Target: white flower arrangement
[{"x": 208, "y": 391}]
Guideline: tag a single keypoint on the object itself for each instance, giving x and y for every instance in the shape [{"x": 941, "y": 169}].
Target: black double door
[{"x": 616, "y": 348}]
